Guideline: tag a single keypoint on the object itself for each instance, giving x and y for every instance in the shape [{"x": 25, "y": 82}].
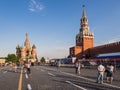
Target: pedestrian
[
  {"x": 79, "y": 67},
  {"x": 28, "y": 65},
  {"x": 109, "y": 73},
  {"x": 76, "y": 66},
  {"x": 101, "y": 70},
  {"x": 58, "y": 64},
  {"x": 25, "y": 66},
  {"x": 15, "y": 67}
]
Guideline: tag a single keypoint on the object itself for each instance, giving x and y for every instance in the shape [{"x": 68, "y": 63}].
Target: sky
[{"x": 52, "y": 25}]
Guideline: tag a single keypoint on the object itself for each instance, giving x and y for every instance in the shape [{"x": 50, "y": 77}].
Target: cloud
[{"x": 34, "y": 6}]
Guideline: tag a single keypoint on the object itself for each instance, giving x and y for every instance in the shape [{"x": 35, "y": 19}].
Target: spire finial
[
  {"x": 26, "y": 34},
  {"x": 84, "y": 14},
  {"x": 83, "y": 6}
]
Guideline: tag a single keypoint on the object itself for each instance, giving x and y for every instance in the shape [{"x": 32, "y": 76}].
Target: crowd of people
[
  {"x": 102, "y": 70},
  {"x": 108, "y": 70},
  {"x": 26, "y": 67}
]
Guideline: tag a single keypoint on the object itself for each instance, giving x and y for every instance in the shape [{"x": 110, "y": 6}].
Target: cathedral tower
[{"x": 27, "y": 43}]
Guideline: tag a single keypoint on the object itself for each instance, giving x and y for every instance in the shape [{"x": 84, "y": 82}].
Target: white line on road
[
  {"x": 75, "y": 85},
  {"x": 29, "y": 87},
  {"x": 42, "y": 70},
  {"x": 36, "y": 68},
  {"x": 51, "y": 74},
  {"x": 78, "y": 76},
  {"x": 84, "y": 78},
  {"x": 26, "y": 76},
  {"x": 91, "y": 80},
  {"x": 5, "y": 72},
  {"x": 111, "y": 85}
]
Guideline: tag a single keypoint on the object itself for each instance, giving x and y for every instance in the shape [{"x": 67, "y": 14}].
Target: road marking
[
  {"x": 5, "y": 72},
  {"x": 79, "y": 76},
  {"x": 25, "y": 71},
  {"x": 42, "y": 70},
  {"x": 91, "y": 80},
  {"x": 111, "y": 85},
  {"x": 29, "y": 87},
  {"x": 114, "y": 86},
  {"x": 75, "y": 85},
  {"x": 20, "y": 80},
  {"x": 26, "y": 76},
  {"x": 51, "y": 74}
]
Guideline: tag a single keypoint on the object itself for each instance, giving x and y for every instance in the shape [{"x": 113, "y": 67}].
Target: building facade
[
  {"x": 84, "y": 39},
  {"x": 27, "y": 52},
  {"x": 2, "y": 61}
]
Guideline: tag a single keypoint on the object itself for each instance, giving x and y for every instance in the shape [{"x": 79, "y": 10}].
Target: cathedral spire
[
  {"x": 26, "y": 35},
  {"x": 27, "y": 43}
]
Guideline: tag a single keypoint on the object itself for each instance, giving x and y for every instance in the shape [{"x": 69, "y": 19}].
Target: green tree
[
  {"x": 12, "y": 58},
  {"x": 42, "y": 60}
]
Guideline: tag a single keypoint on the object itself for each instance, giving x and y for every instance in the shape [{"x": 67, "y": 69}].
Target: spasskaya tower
[{"x": 84, "y": 39}]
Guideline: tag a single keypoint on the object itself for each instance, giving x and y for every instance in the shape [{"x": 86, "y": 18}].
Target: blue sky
[{"x": 52, "y": 25}]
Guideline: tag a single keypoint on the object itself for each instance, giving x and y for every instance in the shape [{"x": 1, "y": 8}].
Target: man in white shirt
[{"x": 101, "y": 70}]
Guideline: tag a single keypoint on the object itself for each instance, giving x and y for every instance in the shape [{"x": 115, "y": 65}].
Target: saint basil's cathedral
[{"x": 27, "y": 52}]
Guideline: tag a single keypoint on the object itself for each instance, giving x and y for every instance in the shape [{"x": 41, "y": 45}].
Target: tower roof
[
  {"x": 84, "y": 30},
  {"x": 84, "y": 13},
  {"x": 33, "y": 46},
  {"x": 27, "y": 43},
  {"x": 18, "y": 46}
]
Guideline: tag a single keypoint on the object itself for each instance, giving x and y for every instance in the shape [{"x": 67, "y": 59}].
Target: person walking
[
  {"x": 109, "y": 73},
  {"x": 28, "y": 65},
  {"x": 79, "y": 67},
  {"x": 101, "y": 70},
  {"x": 15, "y": 67},
  {"x": 76, "y": 67}
]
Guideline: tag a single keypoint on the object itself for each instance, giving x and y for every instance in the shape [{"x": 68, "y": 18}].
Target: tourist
[
  {"x": 14, "y": 67},
  {"x": 109, "y": 73},
  {"x": 28, "y": 68},
  {"x": 101, "y": 70},
  {"x": 25, "y": 66},
  {"x": 79, "y": 67},
  {"x": 76, "y": 66}
]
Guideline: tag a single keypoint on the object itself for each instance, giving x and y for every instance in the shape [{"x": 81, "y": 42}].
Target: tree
[
  {"x": 42, "y": 60},
  {"x": 12, "y": 58}
]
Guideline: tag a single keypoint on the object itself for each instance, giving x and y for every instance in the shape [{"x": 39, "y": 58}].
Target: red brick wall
[
  {"x": 88, "y": 43},
  {"x": 107, "y": 48},
  {"x": 74, "y": 51}
]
